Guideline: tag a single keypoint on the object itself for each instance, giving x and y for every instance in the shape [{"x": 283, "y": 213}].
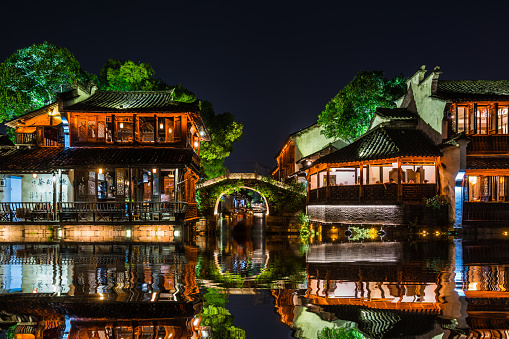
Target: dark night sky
[{"x": 274, "y": 65}]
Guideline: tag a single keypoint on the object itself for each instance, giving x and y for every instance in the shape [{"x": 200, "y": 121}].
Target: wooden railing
[
  {"x": 488, "y": 143},
  {"x": 93, "y": 212},
  {"x": 372, "y": 194},
  {"x": 485, "y": 211},
  {"x": 26, "y": 138},
  {"x": 192, "y": 211}
]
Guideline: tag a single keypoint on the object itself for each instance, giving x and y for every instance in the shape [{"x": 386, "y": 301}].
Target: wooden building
[
  {"x": 301, "y": 148},
  {"x": 105, "y": 146},
  {"x": 446, "y": 137}
]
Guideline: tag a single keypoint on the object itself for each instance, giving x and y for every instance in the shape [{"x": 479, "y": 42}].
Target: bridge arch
[
  {"x": 212, "y": 190},
  {"x": 245, "y": 187}
]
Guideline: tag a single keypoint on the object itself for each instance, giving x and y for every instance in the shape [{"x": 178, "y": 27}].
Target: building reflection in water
[
  {"x": 99, "y": 291},
  {"x": 384, "y": 288}
]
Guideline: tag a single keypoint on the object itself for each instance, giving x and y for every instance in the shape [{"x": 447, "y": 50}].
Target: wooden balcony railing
[
  {"x": 26, "y": 138},
  {"x": 93, "y": 212},
  {"x": 485, "y": 211},
  {"x": 488, "y": 143},
  {"x": 372, "y": 194}
]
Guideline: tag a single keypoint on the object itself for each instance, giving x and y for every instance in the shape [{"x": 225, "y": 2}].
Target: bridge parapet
[{"x": 239, "y": 176}]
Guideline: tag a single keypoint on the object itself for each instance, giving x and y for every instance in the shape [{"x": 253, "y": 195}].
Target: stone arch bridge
[{"x": 249, "y": 181}]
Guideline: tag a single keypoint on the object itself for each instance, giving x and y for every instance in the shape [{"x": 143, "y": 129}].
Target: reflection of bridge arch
[{"x": 246, "y": 187}]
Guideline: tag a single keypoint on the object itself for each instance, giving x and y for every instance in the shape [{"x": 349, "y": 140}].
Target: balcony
[
  {"x": 488, "y": 143},
  {"x": 93, "y": 212},
  {"x": 372, "y": 194}
]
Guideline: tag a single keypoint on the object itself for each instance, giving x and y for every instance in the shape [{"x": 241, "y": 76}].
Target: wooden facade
[
  {"x": 485, "y": 185},
  {"x": 112, "y": 147}
]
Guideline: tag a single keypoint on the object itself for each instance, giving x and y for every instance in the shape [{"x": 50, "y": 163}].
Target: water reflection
[{"x": 378, "y": 285}]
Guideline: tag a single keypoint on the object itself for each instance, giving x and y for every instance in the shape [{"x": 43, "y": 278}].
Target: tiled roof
[
  {"x": 132, "y": 101},
  {"x": 31, "y": 114},
  {"x": 466, "y": 90},
  {"x": 395, "y": 113},
  {"x": 384, "y": 142},
  {"x": 123, "y": 156},
  {"x": 26, "y": 159},
  {"x": 487, "y": 163}
]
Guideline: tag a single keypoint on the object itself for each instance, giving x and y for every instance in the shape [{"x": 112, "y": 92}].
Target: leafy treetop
[
  {"x": 348, "y": 114},
  {"x": 224, "y": 131},
  {"x": 31, "y": 77}
]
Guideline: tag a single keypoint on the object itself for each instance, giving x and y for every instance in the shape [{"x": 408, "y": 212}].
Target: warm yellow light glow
[
  {"x": 101, "y": 296},
  {"x": 121, "y": 125},
  {"x": 34, "y": 175},
  {"x": 161, "y": 126},
  {"x": 472, "y": 286},
  {"x": 169, "y": 130},
  {"x": 100, "y": 171},
  {"x": 505, "y": 233},
  {"x": 154, "y": 170},
  {"x": 196, "y": 144},
  {"x": 154, "y": 295},
  {"x": 472, "y": 180}
]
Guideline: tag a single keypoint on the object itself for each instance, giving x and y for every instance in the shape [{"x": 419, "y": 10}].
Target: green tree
[
  {"x": 224, "y": 131},
  {"x": 127, "y": 75},
  {"x": 349, "y": 113},
  {"x": 31, "y": 77}
]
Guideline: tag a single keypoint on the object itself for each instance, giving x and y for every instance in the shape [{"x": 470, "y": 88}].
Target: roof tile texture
[{"x": 384, "y": 142}]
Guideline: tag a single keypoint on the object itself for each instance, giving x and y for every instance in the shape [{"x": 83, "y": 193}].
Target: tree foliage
[
  {"x": 348, "y": 114},
  {"x": 224, "y": 131},
  {"x": 31, "y": 77},
  {"x": 127, "y": 75}
]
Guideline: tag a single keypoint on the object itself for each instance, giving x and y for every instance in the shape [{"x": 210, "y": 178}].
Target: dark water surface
[{"x": 245, "y": 283}]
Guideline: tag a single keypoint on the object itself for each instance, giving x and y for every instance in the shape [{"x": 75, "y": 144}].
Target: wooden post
[
  {"x": 400, "y": 187},
  {"x": 114, "y": 132},
  {"x": 361, "y": 180},
  {"x": 156, "y": 129},
  {"x": 327, "y": 189},
  {"x": 308, "y": 186},
  {"x": 136, "y": 128},
  {"x": 437, "y": 175}
]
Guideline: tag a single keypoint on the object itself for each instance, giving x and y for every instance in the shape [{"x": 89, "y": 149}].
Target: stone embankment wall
[{"x": 379, "y": 214}]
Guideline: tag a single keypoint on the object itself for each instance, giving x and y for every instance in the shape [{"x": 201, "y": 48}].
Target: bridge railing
[{"x": 239, "y": 176}]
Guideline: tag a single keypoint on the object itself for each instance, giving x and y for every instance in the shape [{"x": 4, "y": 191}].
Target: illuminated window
[
  {"x": 462, "y": 119},
  {"x": 147, "y": 129},
  {"x": 482, "y": 120},
  {"x": 503, "y": 120}
]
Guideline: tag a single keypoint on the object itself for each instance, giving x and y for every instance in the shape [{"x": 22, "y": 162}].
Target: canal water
[{"x": 244, "y": 283}]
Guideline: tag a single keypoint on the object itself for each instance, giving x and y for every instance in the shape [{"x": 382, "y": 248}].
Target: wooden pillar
[
  {"x": 114, "y": 132},
  {"x": 327, "y": 190},
  {"x": 54, "y": 195},
  {"x": 400, "y": 187},
  {"x": 183, "y": 129},
  {"x": 156, "y": 129},
  {"x": 136, "y": 128},
  {"x": 361, "y": 182},
  {"x": 308, "y": 186},
  {"x": 437, "y": 175}
]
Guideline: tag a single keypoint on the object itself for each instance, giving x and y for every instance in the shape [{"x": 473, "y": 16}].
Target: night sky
[{"x": 273, "y": 65}]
